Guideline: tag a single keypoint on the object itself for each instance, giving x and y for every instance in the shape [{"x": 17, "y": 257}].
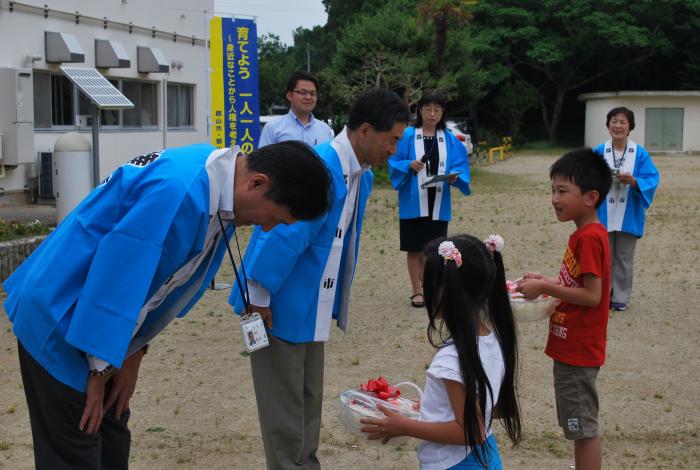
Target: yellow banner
[{"x": 216, "y": 61}]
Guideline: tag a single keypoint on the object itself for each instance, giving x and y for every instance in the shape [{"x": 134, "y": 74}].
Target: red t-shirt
[{"x": 577, "y": 334}]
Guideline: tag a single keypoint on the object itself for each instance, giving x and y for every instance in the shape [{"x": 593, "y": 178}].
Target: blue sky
[{"x": 280, "y": 17}]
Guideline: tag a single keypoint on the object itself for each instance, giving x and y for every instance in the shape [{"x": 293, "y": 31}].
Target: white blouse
[{"x": 436, "y": 407}]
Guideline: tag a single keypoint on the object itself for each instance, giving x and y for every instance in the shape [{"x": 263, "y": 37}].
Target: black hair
[
  {"x": 379, "y": 107},
  {"x": 586, "y": 169},
  {"x": 299, "y": 178},
  {"x": 457, "y": 298},
  {"x": 432, "y": 97},
  {"x": 300, "y": 75},
  {"x": 620, "y": 110}
]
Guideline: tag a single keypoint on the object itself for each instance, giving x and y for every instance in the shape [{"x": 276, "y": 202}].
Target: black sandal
[{"x": 417, "y": 303}]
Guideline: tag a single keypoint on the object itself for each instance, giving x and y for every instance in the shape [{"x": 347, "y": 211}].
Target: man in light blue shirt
[{"x": 298, "y": 123}]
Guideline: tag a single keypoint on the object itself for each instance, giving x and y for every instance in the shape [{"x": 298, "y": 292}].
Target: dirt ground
[{"x": 194, "y": 405}]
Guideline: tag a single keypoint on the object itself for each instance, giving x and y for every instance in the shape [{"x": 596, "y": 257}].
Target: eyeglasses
[
  {"x": 432, "y": 108},
  {"x": 305, "y": 93}
]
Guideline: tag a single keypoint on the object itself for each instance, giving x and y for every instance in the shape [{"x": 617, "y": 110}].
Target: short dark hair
[
  {"x": 300, "y": 75},
  {"x": 432, "y": 97},
  {"x": 620, "y": 110},
  {"x": 586, "y": 169},
  {"x": 299, "y": 178},
  {"x": 379, "y": 107}
]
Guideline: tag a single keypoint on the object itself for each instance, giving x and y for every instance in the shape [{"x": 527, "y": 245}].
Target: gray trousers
[
  {"x": 622, "y": 247},
  {"x": 288, "y": 380}
]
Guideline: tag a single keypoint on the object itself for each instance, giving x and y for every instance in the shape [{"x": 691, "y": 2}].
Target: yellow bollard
[
  {"x": 507, "y": 147},
  {"x": 492, "y": 150}
]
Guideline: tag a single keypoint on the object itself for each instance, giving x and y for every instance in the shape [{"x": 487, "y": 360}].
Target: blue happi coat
[
  {"x": 638, "y": 199},
  {"x": 82, "y": 288},
  {"x": 405, "y": 180},
  {"x": 289, "y": 260}
]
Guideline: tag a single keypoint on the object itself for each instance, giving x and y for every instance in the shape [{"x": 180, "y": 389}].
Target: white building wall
[
  {"x": 598, "y": 105},
  {"x": 22, "y": 35}
]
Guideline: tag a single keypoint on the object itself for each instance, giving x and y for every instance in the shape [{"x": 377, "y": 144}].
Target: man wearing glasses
[{"x": 299, "y": 123}]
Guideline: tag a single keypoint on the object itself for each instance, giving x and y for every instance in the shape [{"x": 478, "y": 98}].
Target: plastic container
[
  {"x": 356, "y": 404},
  {"x": 532, "y": 310}
]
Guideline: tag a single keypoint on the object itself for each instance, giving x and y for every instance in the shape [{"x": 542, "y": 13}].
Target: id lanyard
[
  {"x": 254, "y": 334},
  {"x": 245, "y": 295},
  {"x": 622, "y": 158},
  {"x": 428, "y": 154}
]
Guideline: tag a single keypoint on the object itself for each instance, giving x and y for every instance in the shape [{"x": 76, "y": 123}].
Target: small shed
[{"x": 666, "y": 121}]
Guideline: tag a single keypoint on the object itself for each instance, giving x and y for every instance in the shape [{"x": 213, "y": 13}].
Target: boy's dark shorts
[{"x": 577, "y": 400}]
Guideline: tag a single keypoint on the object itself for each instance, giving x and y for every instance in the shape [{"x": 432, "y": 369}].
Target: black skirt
[{"x": 414, "y": 234}]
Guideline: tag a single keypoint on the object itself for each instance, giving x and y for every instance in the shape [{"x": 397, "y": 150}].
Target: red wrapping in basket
[{"x": 381, "y": 388}]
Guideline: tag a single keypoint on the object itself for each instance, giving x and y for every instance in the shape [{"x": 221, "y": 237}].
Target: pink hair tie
[
  {"x": 494, "y": 243},
  {"x": 449, "y": 251}
]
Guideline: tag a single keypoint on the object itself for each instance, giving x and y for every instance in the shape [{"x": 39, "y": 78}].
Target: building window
[
  {"x": 180, "y": 105},
  {"x": 60, "y": 104},
  {"x": 53, "y": 101},
  {"x": 108, "y": 117},
  {"x": 144, "y": 95}
]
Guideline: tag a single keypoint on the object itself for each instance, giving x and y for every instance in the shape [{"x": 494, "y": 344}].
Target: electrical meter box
[{"x": 16, "y": 116}]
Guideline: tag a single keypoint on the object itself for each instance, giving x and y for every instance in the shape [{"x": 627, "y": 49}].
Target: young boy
[{"x": 578, "y": 327}]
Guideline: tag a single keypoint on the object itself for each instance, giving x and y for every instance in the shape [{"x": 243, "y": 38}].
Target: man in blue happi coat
[
  {"x": 299, "y": 278},
  {"x": 135, "y": 254}
]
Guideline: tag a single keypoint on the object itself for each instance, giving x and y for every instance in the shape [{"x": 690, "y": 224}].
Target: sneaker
[{"x": 618, "y": 307}]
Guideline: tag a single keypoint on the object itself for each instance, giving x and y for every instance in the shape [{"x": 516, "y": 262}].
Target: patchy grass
[
  {"x": 542, "y": 147},
  {"x": 486, "y": 182},
  {"x": 547, "y": 441},
  {"x": 12, "y": 230}
]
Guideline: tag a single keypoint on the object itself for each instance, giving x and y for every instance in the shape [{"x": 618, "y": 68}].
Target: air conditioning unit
[{"x": 45, "y": 179}]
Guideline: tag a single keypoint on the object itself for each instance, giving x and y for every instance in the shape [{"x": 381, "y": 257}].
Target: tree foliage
[
  {"x": 275, "y": 66},
  {"x": 558, "y": 46},
  {"x": 498, "y": 56}
]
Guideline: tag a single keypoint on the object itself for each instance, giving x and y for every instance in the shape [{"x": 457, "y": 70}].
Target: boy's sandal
[{"x": 417, "y": 303}]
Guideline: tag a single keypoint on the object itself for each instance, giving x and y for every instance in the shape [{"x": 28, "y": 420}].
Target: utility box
[
  {"x": 72, "y": 178},
  {"x": 16, "y": 116}
]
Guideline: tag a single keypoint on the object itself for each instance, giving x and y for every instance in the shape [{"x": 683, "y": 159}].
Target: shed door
[{"x": 664, "y": 129}]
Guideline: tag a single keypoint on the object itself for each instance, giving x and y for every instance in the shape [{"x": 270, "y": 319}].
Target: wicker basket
[
  {"x": 532, "y": 310},
  {"x": 356, "y": 405}
]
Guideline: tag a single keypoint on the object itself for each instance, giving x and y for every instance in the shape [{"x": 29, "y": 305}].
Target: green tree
[
  {"x": 512, "y": 101},
  {"x": 274, "y": 67},
  {"x": 557, "y": 46},
  {"x": 463, "y": 79},
  {"x": 442, "y": 13},
  {"x": 341, "y": 13},
  {"x": 385, "y": 50}
]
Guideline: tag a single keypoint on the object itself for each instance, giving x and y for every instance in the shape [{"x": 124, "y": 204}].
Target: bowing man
[
  {"x": 299, "y": 278},
  {"x": 135, "y": 254}
]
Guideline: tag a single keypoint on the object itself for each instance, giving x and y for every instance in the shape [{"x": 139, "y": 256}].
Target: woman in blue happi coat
[
  {"x": 426, "y": 150},
  {"x": 635, "y": 179}
]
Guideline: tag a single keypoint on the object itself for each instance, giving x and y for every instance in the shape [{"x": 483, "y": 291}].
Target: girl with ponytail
[{"x": 472, "y": 378}]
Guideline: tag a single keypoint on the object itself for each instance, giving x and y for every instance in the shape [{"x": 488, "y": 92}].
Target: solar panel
[{"x": 97, "y": 88}]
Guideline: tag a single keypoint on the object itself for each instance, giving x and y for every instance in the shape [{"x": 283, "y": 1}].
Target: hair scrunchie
[{"x": 449, "y": 251}]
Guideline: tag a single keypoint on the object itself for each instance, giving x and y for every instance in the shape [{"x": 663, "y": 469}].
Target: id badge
[{"x": 254, "y": 334}]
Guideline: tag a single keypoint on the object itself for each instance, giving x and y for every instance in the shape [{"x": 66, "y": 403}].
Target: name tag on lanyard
[
  {"x": 254, "y": 334},
  {"x": 252, "y": 326}
]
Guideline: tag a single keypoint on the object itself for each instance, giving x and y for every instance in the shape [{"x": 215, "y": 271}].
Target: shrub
[{"x": 10, "y": 230}]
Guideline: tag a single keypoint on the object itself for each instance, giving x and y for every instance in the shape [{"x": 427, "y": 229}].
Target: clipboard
[{"x": 439, "y": 179}]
